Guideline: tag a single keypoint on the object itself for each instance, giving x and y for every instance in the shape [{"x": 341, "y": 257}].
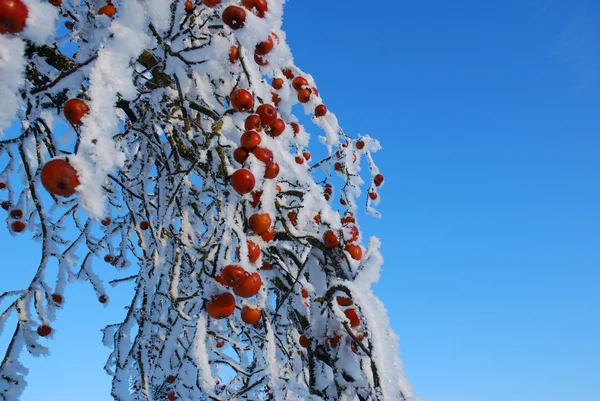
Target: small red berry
[
  {"x": 44, "y": 331},
  {"x": 16, "y": 214},
  {"x": 57, "y": 298},
  {"x": 320, "y": 110},
  {"x": 18, "y": 226}
]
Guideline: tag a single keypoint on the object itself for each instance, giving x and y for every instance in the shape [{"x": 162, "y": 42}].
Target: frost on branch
[{"x": 162, "y": 133}]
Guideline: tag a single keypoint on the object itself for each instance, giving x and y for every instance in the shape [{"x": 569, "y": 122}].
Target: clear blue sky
[{"x": 489, "y": 114}]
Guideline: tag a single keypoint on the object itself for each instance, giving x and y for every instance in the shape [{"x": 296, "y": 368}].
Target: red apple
[
  {"x": 355, "y": 251},
  {"x": 259, "y": 222},
  {"x": 317, "y": 218},
  {"x": 211, "y": 3},
  {"x": 277, "y": 83},
  {"x": 259, "y": 7},
  {"x": 360, "y": 145},
  {"x": 287, "y": 73},
  {"x": 221, "y": 306},
  {"x": 354, "y": 233},
  {"x": 277, "y": 127},
  {"x": 272, "y": 170},
  {"x": 74, "y": 110},
  {"x": 348, "y": 219},
  {"x": 234, "y": 17},
  {"x": 16, "y": 214},
  {"x": 248, "y": 286},
  {"x": 240, "y": 155},
  {"x": 352, "y": 316},
  {"x": 378, "y": 179},
  {"x": 13, "y": 15},
  {"x": 293, "y": 216},
  {"x": 344, "y": 301},
  {"x": 264, "y": 47},
  {"x": 109, "y": 10},
  {"x": 260, "y": 61},
  {"x": 251, "y": 315},
  {"x": 256, "y": 195},
  {"x": 243, "y": 181},
  {"x": 320, "y": 110},
  {"x": 263, "y": 154},
  {"x": 250, "y": 140},
  {"x": 59, "y": 177},
  {"x": 304, "y": 341},
  {"x": 253, "y": 251},
  {"x": 268, "y": 235},
  {"x": 275, "y": 99},
  {"x": 242, "y": 100},
  {"x": 267, "y": 113},
  {"x": 295, "y": 128},
  {"x": 189, "y": 6},
  {"x": 330, "y": 239},
  {"x": 299, "y": 82},
  {"x": 233, "y": 54},
  {"x": 299, "y": 159},
  {"x": 231, "y": 274},
  {"x": 253, "y": 123},
  {"x": 304, "y": 95}
]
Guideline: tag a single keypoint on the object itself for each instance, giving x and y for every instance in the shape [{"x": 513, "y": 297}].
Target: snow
[
  {"x": 41, "y": 21},
  {"x": 12, "y": 67}
]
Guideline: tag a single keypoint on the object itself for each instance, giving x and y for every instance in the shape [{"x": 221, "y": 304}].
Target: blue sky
[{"x": 488, "y": 113}]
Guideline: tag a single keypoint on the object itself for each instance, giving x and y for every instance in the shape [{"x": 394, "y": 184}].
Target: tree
[{"x": 184, "y": 167}]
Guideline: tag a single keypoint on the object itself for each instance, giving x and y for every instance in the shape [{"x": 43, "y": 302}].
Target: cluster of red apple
[
  {"x": 16, "y": 214},
  {"x": 349, "y": 312},
  {"x": 245, "y": 285},
  {"x": 243, "y": 180},
  {"x": 303, "y": 90},
  {"x": 349, "y": 233}
]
